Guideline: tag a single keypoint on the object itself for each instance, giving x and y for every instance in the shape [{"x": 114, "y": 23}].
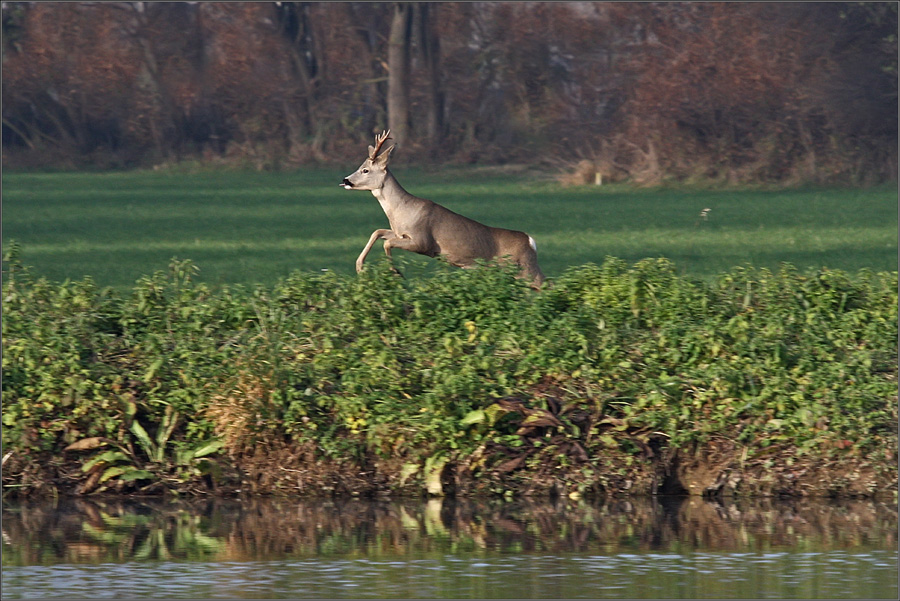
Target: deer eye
[{"x": 365, "y": 170}]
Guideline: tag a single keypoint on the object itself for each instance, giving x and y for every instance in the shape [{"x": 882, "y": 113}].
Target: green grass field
[{"x": 244, "y": 228}]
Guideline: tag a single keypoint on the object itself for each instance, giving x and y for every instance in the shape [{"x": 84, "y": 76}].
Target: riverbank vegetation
[{"x": 617, "y": 379}]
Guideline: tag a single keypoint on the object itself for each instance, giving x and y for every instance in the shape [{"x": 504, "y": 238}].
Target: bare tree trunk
[
  {"x": 164, "y": 129},
  {"x": 429, "y": 48},
  {"x": 294, "y": 21},
  {"x": 398, "y": 71},
  {"x": 296, "y": 27},
  {"x": 368, "y": 22}
]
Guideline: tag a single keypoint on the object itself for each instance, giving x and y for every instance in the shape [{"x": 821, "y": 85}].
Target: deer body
[{"x": 425, "y": 227}]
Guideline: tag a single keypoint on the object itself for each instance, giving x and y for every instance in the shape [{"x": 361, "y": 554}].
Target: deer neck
[{"x": 394, "y": 200}]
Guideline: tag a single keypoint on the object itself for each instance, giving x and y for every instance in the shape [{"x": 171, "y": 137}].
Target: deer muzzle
[{"x": 346, "y": 184}]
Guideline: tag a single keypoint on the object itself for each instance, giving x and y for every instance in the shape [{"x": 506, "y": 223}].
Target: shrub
[{"x": 465, "y": 370}]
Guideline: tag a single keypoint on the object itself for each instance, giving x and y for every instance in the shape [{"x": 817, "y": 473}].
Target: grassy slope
[{"x": 257, "y": 227}]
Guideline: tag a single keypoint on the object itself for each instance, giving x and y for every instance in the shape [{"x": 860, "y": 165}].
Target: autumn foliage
[{"x": 641, "y": 91}]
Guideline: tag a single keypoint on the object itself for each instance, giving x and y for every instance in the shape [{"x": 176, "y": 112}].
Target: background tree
[
  {"x": 304, "y": 51},
  {"x": 428, "y": 42},
  {"x": 724, "y": 91},
  {"x": 399, "y": 41}
]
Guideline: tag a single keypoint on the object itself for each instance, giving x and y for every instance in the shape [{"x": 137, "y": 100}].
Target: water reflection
[{"x": 94, "y": 531}]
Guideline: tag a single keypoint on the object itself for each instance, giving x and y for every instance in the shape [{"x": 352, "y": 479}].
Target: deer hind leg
[
  {"x": 529, "y": 265},
  {"x": 532, "y": 271}
]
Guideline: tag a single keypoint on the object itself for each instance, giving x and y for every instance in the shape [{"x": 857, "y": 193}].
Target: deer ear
[
  {"x": 385, "y": 155},
  {"x": 372, "y": 152}
]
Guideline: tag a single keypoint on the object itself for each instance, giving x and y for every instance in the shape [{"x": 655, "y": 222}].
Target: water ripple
[{"x": 737, "y": 575}]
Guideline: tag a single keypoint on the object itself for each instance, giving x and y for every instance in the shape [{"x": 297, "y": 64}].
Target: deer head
[{"x": 371, "y": 174}]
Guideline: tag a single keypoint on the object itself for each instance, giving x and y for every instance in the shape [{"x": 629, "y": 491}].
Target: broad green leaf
[
  {"x": 166, "y": 427},
  {"x": 130, "y": 408},
  {"x": 136, "y": 474},
  {"x": 209, "y": 448},
  {"x": 107, "y": 457},
  {"x": 434, "y": 465},
  {"x": 608, "y": 440},
  {"x": 138, "y": 430},
  {"x": 494, "y": 412},
  {"x": 407, "y": 470},
  {"x": 111, "y": 473},
  {"x": 154, "y": 367},
  {"x": 473, "y": 417}
]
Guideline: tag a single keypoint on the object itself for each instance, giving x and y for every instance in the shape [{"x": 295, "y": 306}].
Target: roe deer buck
[{"x": 427, "y": 228}]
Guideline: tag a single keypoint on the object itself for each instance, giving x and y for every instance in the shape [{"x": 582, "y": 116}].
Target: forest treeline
[{"x": 735, "y": 92}]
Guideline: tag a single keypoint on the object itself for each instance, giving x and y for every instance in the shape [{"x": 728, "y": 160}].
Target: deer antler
[{"x": 380, "y": 139}]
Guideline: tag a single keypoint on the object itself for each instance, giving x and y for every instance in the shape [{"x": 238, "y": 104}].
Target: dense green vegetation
[
  {"x": 248, "y": 228},
  {"x": 275, "y": 369},
  {"x": 617, "y": 378}
]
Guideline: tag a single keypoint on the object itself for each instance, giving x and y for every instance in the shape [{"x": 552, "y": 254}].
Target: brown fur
[{"x": 424, "y": 227}]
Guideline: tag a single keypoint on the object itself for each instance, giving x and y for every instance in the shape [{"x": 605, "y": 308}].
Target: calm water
[{"x": 641, "y": 548}]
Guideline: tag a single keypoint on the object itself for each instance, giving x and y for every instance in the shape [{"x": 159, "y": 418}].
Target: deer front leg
[
  {"x": 376, "y": 235},
  {"x": 422, "y": 244},
  {"x": 403, "y": 242}
]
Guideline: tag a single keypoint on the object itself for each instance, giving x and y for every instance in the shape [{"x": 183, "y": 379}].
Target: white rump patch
[{"x": 532, "y": 243}]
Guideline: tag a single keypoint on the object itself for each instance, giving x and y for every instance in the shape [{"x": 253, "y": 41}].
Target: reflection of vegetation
[
  {"x": 87, "y": 532},
  {"x": 95, "y": 532},
  {"x": 152, "y": 539}
]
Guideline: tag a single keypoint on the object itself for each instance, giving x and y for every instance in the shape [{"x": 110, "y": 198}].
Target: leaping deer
[{"x": 424, "y": 227}]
